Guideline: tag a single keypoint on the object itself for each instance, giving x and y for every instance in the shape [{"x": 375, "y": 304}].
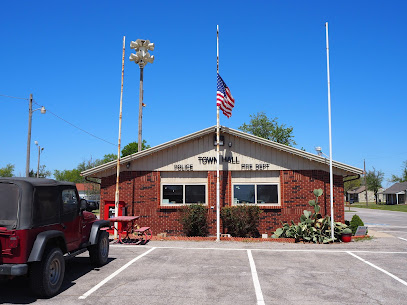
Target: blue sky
[{"x": 272, "y": 56}]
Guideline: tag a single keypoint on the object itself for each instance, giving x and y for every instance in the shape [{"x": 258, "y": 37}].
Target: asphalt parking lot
[
  {"x": 165, "y": 272},
  {"x": 175, "y": 272}
]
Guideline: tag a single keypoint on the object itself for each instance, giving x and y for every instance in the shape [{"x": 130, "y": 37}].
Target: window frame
[
  {"x": 268, "y": 204},
  {"x": 183, "y": 193}
]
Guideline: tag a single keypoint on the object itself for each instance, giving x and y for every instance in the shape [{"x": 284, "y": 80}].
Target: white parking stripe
[
  {"x": 89, "y": 292},
  {"x": 402, "y": 238},
  {"x": 257, "y": 287},
  {"x": 378, "y": 268},
  {"x": 266, "y": 250}
]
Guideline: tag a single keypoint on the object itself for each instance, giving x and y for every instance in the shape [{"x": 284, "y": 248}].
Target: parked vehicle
[
  {"x": 42, "y": 223},
  {"x": 92, "y": 205}
]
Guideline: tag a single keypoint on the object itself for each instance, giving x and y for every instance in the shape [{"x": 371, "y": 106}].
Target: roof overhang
[{"x": 285, "y": 148}]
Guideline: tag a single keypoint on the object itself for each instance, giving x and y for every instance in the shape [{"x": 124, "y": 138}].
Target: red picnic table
[{"x": 130, "y": 230}]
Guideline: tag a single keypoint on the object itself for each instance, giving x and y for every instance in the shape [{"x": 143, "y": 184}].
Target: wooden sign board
[{"x": 361, "y": 231}]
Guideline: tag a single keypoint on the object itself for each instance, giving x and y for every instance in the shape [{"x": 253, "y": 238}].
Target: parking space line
[
  {"x": 269, "y": 250},
  {"x": 256, "y": 283},
  {"x": 92, "y": 290},
  {"x": 390, "y": 231},
  {"x": 378, "y": 268},
  {"x": 402, "y": 238}
]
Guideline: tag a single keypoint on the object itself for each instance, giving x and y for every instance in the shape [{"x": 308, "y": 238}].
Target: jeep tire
[
  {"x": 99, "y": 253},
  {"x": 47, "y": 275}
]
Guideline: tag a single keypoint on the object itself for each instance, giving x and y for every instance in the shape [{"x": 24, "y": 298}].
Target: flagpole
[
  {"x": 116, "y": 197},
  {"x": 330, "y": 136},
  {"x": 217, "y": 147}
]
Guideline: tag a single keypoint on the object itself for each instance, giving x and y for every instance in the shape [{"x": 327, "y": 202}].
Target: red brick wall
[
  {"x": 225, "y": 190},
  {"x": 141, "y": 193},
  {"x": 296, "y": 189}
]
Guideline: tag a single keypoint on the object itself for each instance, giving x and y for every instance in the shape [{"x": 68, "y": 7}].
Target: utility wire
[
  {"x": 75, "y": 125},
  {"x": 22, "y": 98}
]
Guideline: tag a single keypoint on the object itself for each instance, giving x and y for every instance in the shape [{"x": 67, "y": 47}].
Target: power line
[
  {"x": 91, "y": 134},
  {"x": 22, "y": 98}
]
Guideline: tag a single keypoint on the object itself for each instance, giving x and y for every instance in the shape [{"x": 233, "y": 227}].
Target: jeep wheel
[
  {"x": 99, "y": 253},
  {"x": 46, "y": 276}
]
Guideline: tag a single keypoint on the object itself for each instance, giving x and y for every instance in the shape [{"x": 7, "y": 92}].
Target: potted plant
[{"x": 346, "y": 235}]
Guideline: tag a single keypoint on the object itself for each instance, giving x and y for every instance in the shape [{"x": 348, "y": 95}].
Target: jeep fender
[
  {"x": 95, "y": 230},
  {"x": 41, "y": 243}
]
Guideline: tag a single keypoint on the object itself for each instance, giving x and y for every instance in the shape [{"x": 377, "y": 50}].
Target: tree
[
  {"x": 350, "y": 184},
  {"x": 7, "y": 171},
  {"x": 43, "y": 173},
  {"x": 74, "y": 175},
  {"x": 374, "y": 181},
  {"x": 132, "y": 148},
  {"x": 261, "y": 126},
  {"x": 403, "y": 177}
]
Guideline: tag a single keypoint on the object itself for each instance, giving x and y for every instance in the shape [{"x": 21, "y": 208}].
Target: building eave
[{"x": 285, "y": 148}]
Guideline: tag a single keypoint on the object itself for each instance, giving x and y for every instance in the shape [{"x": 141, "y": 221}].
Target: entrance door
[{"x": 71, "y": 220}]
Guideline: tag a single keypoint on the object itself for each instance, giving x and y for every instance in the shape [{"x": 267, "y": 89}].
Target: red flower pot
[{"x": 346, "y": 237}]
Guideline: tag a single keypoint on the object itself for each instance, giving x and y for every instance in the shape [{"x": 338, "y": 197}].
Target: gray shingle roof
[
  {"x": 396, "y": 188},
  {"x": 357, "y": 190}
]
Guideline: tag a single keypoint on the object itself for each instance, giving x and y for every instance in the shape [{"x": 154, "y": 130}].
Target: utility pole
[
  {"x": 30, "y": 113},
  {"x": 364, "y": 173}
]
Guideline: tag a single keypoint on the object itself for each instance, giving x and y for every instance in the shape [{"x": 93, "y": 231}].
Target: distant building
[
  {"x": 396, "y": 194},
  {"x": 89, "y": 191},
  {"x": 358, "y": 194}
]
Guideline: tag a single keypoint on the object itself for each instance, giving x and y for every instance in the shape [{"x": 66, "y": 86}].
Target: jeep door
[{"x": 70, "y": 217}]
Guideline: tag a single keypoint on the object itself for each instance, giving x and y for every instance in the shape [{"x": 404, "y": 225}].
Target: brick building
[{"x": 158, "y": 182}]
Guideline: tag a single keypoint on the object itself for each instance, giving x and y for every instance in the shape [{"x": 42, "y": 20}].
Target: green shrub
[
  {"x": 194, "y": 220},
  {"x": 241, "y": 220},
  {"x": 355, "y": 223}
]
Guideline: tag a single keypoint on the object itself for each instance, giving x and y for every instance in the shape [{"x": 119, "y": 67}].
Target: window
[
  {"x": 255, "y": 193},
  {"x": 46, "y": 206},
  {"x": 69, "y": 201},
  {"x": 9, "y": 201},
  {"x": 183, "y": 193}
]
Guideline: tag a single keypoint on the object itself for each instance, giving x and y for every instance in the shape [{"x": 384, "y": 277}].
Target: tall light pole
[
  {"x": 30, "y": 113},
  {"x": 142, "y": 57},
  {"x": 40, "y": 149}
]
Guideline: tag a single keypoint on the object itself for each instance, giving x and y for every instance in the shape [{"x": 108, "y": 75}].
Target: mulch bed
[{"x": 213, "y": 238}]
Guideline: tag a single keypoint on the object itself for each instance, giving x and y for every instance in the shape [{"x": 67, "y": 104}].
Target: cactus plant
[
  {"x": 347, "y": 231},
  {"x": 312, "y": 226}
]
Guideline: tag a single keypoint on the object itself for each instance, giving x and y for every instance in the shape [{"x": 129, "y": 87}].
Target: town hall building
[{"x": 158, "y": 182}]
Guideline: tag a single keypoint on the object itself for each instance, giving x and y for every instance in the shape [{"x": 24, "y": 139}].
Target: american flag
[{"x": 224, "y": 99}]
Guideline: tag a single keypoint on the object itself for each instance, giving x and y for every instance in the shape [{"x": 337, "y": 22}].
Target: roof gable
[
  {"x": 239, "y": 147},
  {"x": 396, "y": 188}
]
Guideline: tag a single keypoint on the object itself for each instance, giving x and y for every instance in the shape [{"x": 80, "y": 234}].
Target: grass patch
[
  {"x": 386, "y": 207},
  {"x": 361, "y": 238}
]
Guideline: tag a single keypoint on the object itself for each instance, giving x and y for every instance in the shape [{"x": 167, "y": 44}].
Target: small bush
[
  {"x": 355, "y": 223},
  {"x": 194, "y": 220},
  {"x": 242, "y": 220}
]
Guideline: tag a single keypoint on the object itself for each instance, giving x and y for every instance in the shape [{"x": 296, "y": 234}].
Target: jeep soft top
[{"x": 17, "y": 211}]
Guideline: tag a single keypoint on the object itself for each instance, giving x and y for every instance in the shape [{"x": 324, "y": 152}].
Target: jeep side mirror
[{"x": 84, "y": 204}]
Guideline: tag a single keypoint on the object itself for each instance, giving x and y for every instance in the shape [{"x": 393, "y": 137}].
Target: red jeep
[{"x": 42, "y": 223}]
